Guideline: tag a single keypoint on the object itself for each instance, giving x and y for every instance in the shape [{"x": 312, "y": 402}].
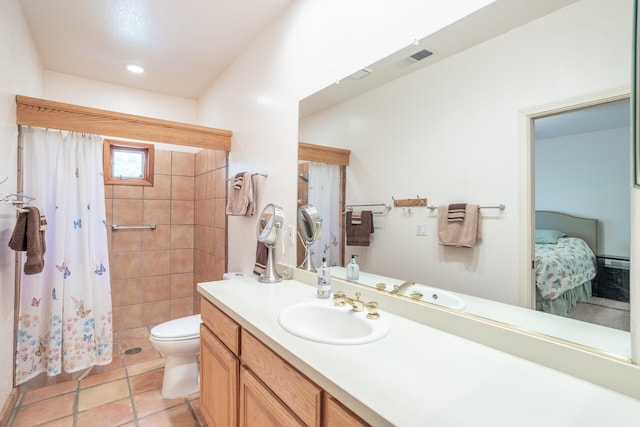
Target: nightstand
[{"x": 612, "y": 279}]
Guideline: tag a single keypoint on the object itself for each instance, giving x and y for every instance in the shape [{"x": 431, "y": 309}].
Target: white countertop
[{"x": 418, "y": 375}]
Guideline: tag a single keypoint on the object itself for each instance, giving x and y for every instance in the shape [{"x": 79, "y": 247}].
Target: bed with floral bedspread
[{"x": 564, "y": 272}]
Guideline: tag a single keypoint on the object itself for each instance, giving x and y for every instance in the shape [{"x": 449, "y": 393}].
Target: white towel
[{"x": 464, "y": 233}]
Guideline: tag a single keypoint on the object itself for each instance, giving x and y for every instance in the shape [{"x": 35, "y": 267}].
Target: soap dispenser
[
  {"x": 324, "y": 280},
  {"x": 353, "y": 269}
]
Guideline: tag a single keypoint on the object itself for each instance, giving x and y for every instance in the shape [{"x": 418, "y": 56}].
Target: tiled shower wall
[
  {"x": 154, "y": 272},
  {"x": 210, "y": 248}
]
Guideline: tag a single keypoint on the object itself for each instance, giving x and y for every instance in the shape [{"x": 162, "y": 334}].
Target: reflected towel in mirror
[
  {"x": 261, "y": 259},
  {"x": 359, "y": 234},
  {"x": 465, "y": 233},
  {"x": 456, "y": 212}
]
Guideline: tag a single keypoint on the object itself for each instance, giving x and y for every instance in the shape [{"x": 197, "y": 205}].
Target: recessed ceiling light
[{"x": 134, "y": 68}]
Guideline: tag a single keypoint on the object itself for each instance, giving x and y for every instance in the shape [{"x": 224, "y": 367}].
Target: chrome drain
[{"x": 133, "y": 350}]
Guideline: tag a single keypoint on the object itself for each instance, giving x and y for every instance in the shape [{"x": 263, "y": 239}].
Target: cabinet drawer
[
  {"x": 222, "y": 325},
  {"x": 302, "y": 396}
]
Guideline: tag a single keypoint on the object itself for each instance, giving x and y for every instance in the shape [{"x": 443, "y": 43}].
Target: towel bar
[
  {"x": 265, "y": 174},
  {"x": 115, "y": 227},
  {"x": 387, "y": 208},
  {"x": 500, "y": 206}
]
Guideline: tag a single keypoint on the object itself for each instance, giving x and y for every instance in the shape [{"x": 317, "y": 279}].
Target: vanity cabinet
[
  {"x": 244, "y": 383},
  {"x": 219, "y": 367}
]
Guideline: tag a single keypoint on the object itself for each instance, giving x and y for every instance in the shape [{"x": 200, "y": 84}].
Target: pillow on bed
[{"x": 548, "y": 236}]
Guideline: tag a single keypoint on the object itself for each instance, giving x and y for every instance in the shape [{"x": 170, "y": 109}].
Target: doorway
[{"x": 580, "y": 167}]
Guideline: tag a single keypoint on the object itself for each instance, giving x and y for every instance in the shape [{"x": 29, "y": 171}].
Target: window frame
[{"x": 109, "y": 146}]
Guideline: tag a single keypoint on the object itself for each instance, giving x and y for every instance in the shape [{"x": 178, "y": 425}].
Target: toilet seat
[{"x": 184, "y": 328}]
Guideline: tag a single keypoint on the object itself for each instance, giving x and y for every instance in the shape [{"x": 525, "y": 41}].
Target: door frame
[{"x": 526, "y": 117}]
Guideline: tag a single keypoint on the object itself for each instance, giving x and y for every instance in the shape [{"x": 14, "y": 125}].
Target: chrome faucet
[
  {"x": 340, "y": 299},
  {"x": 402, "y": 288}
]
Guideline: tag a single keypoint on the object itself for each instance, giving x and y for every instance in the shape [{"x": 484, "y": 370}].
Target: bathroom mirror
[
  {"x": 268, "y": 232},
  {"x": 310, "y": 225},
  {"x": 451, "y": 129}
]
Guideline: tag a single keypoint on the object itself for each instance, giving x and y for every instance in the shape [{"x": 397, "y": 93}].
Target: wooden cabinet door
[
  {"x": 219, "y": 371},
  {"x": 260, "y": 407},
  {"x": 336, "y": 415},
  {"x": 295, "y": 390}
]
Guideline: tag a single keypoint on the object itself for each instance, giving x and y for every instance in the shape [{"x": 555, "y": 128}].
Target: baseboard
[{"x": 7, "y": 408}]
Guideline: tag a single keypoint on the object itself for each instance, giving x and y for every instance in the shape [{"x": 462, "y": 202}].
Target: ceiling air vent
[
  {"x": 360, "y": 74},
  {"x": 419, "y": 56}
]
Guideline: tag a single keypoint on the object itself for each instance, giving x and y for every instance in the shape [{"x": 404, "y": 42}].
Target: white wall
[
  {"x": 20, "y": 73},
  {"x": 312, "y": 45},
  {"x": 107, "y": 96},
  {"x": 588, "y": 175},
  {"x": 449, "y": 133}
]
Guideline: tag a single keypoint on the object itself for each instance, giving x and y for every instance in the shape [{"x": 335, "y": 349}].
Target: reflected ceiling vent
[
  {"x": 412, "y": 59},
  {"x": 360, "y": 74},
  {"x": 419, "y": 56}
]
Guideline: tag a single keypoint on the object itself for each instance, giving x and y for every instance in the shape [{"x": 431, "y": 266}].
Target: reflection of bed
[{"x": 564, "y": 270}]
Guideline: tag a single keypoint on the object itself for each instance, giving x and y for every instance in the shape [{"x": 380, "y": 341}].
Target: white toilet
[{"x": 179, "y": 342}]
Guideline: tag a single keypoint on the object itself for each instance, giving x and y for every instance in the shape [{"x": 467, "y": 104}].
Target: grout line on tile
[
  {"x": 131, "y": 399},
  {"x": 75, "y": 403}
]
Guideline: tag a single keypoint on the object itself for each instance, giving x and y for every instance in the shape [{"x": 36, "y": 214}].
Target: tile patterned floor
[{"x": 125, "y": 393}]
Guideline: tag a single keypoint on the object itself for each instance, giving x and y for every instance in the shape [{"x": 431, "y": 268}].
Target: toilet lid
[{"x": 182, "y": 328}]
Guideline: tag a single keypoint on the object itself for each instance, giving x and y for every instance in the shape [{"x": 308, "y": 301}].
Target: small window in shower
[{"x": 128, "y": 163}]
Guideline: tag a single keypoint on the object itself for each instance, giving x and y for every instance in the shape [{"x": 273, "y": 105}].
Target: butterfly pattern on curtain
[
  {"x": 65, "y": 319},
  {"x": 324, "y": 179}
]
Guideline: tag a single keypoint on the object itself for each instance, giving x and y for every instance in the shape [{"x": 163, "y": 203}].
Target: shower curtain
[
  {"x": 65, "y": 311},
  {"x": 324, "y": 180}
]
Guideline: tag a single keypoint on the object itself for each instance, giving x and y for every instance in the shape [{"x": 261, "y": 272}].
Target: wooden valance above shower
[
  {"x": 323, "y": 154},
  {"x": 57, "y": 115}
]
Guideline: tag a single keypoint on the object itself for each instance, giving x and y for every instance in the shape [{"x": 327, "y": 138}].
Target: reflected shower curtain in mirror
[
  {"x": 324, "y": 194},
  {"x": 65, "y": 311}
]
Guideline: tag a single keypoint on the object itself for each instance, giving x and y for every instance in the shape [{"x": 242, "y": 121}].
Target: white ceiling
[
  {"x": 183, "y": 44},
  {"x": 610, "y": 115},
  {"x": 497, "y": 18}
]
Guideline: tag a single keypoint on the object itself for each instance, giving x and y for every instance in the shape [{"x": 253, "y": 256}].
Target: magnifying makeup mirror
[
  {"x": 268, "y": 231},
  {"x": 310, "y": 231}
]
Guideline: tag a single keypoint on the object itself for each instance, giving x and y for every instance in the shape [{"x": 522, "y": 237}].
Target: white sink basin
[
  {"x": 435, "y": 296},
  {"x": 323, "y": 322}
]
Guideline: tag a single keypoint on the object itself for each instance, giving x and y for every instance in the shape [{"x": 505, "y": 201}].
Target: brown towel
[
  {"x": 356, "y": 218},
  {"x": 359, "y": 234},
  {"x": 28, "y": 235},
  {"x": 237, "y": 181},
  {"x": 464, "y": 233},
  {"x": 456, "y": 211},
  {"x": 261, "y": 259}
]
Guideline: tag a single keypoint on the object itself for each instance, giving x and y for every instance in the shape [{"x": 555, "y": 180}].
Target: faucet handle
[
  {"x": 339, "y": 298},
  {"x": 372, "y": 310}
]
